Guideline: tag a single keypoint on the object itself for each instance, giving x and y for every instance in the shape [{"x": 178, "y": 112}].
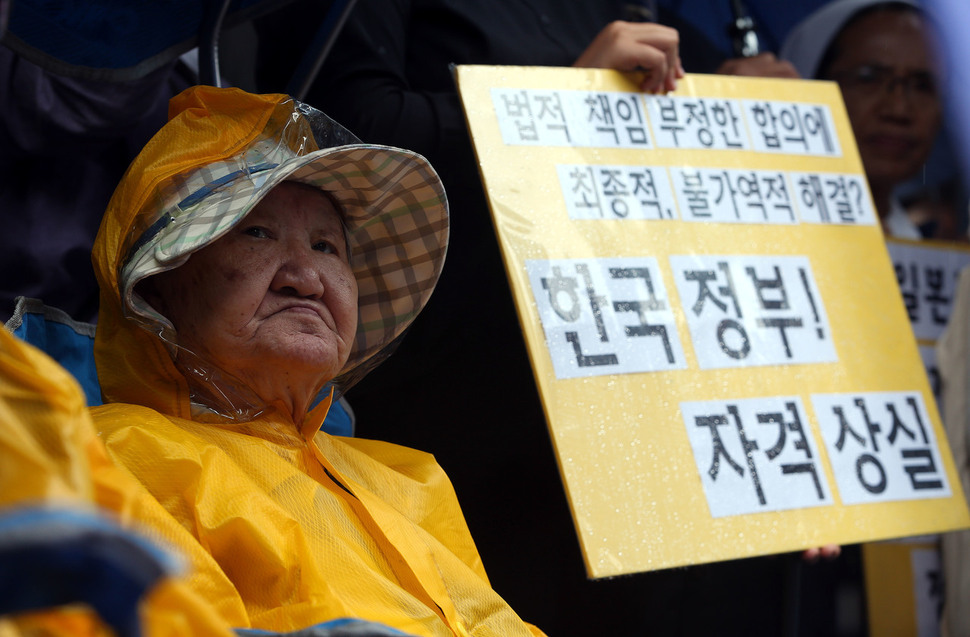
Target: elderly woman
[{"x": 254, "y": 259}]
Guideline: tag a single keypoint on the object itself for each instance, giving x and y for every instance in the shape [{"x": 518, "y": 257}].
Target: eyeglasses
[{"x": 872, "y": 79}]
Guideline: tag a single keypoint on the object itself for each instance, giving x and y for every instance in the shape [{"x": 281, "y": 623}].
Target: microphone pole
[{"x": 744, "y": 39}]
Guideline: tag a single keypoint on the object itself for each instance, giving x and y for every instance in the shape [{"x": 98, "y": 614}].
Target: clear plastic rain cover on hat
[{"x": 395, "y": 219}]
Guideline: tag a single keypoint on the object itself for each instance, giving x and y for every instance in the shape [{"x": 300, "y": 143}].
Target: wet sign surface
[{"x": 726, "y": 363}]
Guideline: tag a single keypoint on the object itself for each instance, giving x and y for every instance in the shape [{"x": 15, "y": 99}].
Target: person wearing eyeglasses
[{"x": 880, "y": 54}]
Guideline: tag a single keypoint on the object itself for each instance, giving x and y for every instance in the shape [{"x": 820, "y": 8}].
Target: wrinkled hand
[
  {"x": 761, "y": 65},
  {"x": 828, "y": 552},
  {"x": 637, "y": 46}
]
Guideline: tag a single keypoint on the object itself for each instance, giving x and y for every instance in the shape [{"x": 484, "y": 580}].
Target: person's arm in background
[
  {"x": 365, "y": 81},
  {"x": 365, "y": 86}
]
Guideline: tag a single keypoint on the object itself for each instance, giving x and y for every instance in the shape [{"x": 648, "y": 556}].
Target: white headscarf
[{"x": 811, "y": 38}]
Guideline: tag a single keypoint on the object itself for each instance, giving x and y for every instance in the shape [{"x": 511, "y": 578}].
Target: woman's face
[
  {"x": 274, "y": 302},
  {"x": 888, "y": 78}
]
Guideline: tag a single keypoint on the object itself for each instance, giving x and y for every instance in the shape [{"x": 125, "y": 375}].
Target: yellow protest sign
[
  {"x": 904, "y": 586},
  {"x": 904, "y": 581},
  {"x": 927, "y": 274},
  {"x": 714, "y": 325}
]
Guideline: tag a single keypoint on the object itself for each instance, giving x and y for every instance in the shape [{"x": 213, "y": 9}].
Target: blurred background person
[{"x": 882, "y": 57}]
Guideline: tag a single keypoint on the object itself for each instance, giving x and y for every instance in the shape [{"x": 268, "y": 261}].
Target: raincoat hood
[
  {"x": 281, "y": 528},
  {"x": 220, "y": 153}
]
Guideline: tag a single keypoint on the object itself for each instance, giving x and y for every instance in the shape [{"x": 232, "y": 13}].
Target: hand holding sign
[{"x": 637, "y": 46}]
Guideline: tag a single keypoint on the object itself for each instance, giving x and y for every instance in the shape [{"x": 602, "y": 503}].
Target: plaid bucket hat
[{"x": 223, "y": 150}]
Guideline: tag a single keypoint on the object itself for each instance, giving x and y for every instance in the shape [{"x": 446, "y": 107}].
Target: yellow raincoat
[{"x": 282, "y": 526}]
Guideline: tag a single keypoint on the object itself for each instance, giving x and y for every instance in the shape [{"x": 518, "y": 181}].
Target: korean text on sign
[
  {"x": 616, "y": 192},
  {"x": 753, "y": 310},
  {"x": 927, "y": 278},
  {"x": 792, "y": 129},
  {"x": 881, "y": 446},
  {"x": 720, "y": 195},
  {"x": 605, "y": 316},
  {"x": 755, "y": 455},
  {"x": 571, "y": 118},
  {"x": 612, "y": 119},
  {"x": 733, "y": 196},
  {"x": 831, "y": 198},
  {"x": 722, "y": 124},
  {"x": 686, "y": 122}
]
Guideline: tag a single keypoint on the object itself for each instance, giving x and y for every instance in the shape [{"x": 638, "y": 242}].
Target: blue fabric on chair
[
  {"x": 340, "y": 419},
  {"x": 54, "y": 557},
  {"x": 71, "y": 343},
  {"x": 335, "y": 628}
]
